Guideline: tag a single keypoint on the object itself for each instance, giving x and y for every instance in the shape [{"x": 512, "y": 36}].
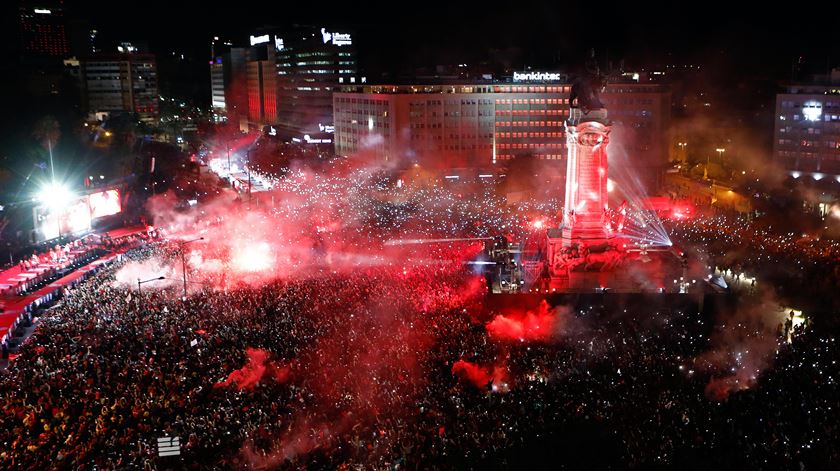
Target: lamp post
[
  {"x": 140, "y": 291},
  {"x": 228, "y": 152},
  {"x": 248, "y": 156},
  {"x": 184, "y": 261},
  {"x": 682, "y": 156}
]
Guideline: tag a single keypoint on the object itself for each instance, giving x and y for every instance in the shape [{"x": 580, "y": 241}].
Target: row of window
[
  {"x": 537, "y": 156},
  {"x": 810, "y": 155},
  {"x": 449, "y": 124},
  {"x": 532, "y": 101},
  {"x": 810, "y": 143},
  {"x": 533, "y": 89},
  {"x": 535, "y": 124},
  {"x": 794, "y": 104},
  {"x": 825, "y": 117},
  {"x": 532, "y": 112},
  {"x": 531, "y": 145},
  {"x": 509, "y": 135}
]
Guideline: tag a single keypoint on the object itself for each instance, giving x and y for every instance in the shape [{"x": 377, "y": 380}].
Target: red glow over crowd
[{"x": 306, "y": 340}]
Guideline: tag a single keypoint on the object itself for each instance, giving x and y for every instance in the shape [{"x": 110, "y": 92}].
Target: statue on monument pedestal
[{"x": 587, "y": 86}]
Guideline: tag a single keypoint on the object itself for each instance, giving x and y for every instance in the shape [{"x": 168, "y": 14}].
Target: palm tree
[{"x": 47, "y": 132}]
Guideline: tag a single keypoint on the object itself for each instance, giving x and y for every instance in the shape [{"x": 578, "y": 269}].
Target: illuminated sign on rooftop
[
  {"x": 337, "y": 39},
  {"x": 42, "y": 11},
  {"x": 259, "y": 39},
  {"x": 537, "y": 77}
]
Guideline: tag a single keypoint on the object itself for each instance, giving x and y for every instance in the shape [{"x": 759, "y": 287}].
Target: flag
[
  {"x": 128, "y": 298},
  {"x": 169, "y": 446}
]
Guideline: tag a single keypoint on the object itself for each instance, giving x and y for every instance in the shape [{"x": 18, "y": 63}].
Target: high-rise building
[
  {"x": 229, "y": 83},
  {"x": 43, "y": 29},
  {"x": 807, "y": 132},
  {"x": 311, "y": 63},
  {"x": 262, "y": 92},
  {"x": 485, "y": 126},
  {"x": 121, "y": 83},
  {"x": 289, "y": 78}
]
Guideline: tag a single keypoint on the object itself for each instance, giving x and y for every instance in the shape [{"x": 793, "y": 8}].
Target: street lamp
[
  {"x": 682, "y": 146},
  {"x": 228, "y": 152},
  {"x": 139, "y": 289},
  {"x": 184, "y": 261},
  {"x": 720, "y": 151},
  {"x": 248, "y": 156}
]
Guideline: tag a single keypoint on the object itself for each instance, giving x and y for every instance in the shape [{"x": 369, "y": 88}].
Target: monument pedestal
[{"x": 586, "y": 216}]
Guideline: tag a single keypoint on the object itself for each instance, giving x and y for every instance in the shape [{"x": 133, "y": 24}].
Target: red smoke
[
  {"x": 719, "y": 389},
  {"x": 541, "y": 325},
  {"x": 742, "y": 347},
  {"x": 255, "y": 370},
  {"x": 482, "y": 377}
]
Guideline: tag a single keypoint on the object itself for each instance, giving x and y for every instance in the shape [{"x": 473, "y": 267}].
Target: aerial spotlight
[{"x": 54, "y": 195}]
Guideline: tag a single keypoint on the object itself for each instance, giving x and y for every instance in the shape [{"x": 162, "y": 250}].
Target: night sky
[
  {"x": 390, "y": 37},
  {"x": 736, "y": 43}
]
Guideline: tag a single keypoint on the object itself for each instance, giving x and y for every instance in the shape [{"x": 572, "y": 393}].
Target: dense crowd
[
  {"x": 361, "y": 364},
  {"x": 356, "y": 370},
  {"x": 798, "y": 266}
]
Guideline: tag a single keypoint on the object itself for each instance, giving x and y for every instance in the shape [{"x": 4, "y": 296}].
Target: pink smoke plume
[
  {"x": 495, "y": 379},
  {"x": 259, "y": 367},
  {"x": 541, "y": 325},
  {"x": 742, "y": 347}
]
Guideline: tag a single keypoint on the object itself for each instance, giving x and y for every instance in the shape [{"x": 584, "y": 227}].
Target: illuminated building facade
[
  {"x": 310, "y": 65},
  {"x": 262, "y": 91},
  {"x": 487, "y": 126},
  {"x": 807, "y": 132},
  {"x": 121, "y": 83},
  {"x": 43, "y": 29},
  {"x": 229, "y": 82},
  {"x": 291, "y": 77}
]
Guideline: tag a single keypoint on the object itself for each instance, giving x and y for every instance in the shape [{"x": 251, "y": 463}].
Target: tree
[{"x": 47, "y": 131}]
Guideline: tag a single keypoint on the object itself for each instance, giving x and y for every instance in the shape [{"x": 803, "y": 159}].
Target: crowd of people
[
  {"x": 356, "y": 370},
  {"x": 361, "y": 363},
  {"x": 799, "y": 267}
]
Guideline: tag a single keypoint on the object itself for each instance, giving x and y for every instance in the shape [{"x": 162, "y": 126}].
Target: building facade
[
  {"x": 229, "y": 83},
  {"x": 262, "y": 92},
  {"x": 289, "y": 77},
  {"x": 486, "y": 126},
  {"x": 311, "y": 64},
  {"x": 807, "y": 133},
  {"x": 43, "y": 29},
  {"x": 121, "y": 83}
]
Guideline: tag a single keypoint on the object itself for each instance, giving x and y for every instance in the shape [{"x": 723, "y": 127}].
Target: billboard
[
  {"x": 104, "y": 203},
  {"x": 54, "y": 222}
]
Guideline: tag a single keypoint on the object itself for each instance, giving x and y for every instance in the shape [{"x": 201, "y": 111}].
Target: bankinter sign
[{"x": 537, "y": 77}]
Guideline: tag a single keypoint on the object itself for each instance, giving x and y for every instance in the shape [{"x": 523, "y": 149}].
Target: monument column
[{"x": 587, "y": 136}]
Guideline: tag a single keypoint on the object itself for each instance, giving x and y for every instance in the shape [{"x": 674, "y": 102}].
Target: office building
[
  {"x": 43, "y": 29},
  {"x": 290, "y": 76},
  {"x": 482, "y": 127},
  {"x": 121, "y": 83},
  {"x": 807, "y": 132},
  {"x": 229, "y": 84}
]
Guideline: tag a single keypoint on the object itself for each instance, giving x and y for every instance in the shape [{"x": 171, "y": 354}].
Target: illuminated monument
[
  {"x": 583, "y": 240},
  {"x": 586, "y": 204}
]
